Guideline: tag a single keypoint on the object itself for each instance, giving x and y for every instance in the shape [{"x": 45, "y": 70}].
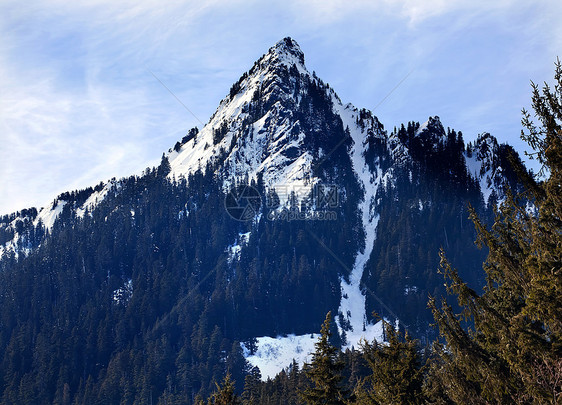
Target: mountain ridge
[
  {"x": 147, "y": 256},
  {"x": 275, "y": 53},
  {"x": 260, "y": 132}
]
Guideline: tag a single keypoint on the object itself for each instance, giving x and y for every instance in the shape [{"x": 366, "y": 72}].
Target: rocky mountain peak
[{"x": 286, "y": 50}]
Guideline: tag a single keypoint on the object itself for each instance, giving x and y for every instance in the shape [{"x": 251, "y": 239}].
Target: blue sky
[{"x": 79, "y": 105}]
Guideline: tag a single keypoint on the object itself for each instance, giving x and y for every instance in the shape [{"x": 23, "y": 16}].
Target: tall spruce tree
[
  {"x": 512, "y": 350},
  {"x": 396, "y": 371},
  {"x": 251, "y": 393},
  {"x": 224, "y": 395},
  {"x": 324, "y": 372}
]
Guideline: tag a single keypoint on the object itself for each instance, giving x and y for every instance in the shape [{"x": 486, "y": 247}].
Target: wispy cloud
[
  {"x": 78, "y": 104},
  {"x": 74, "y": 117}
]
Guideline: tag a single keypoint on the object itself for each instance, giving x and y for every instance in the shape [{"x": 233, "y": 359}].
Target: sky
[{"x": 82, "y": 96}]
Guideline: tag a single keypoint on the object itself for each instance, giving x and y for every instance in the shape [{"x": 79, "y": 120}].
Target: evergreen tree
[
  {"x": 324, "y": 371},
  {"x": 251, "y": 393},
  {"x": 512, "y": 352},
  {"x": 252, "y": 345},
  {"x": 164, "y": 168},
  {"x": 396, "y": 371},
  {"x": 225, "y": 393}
]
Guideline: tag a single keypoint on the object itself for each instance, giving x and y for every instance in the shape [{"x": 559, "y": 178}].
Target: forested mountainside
[{"x": 288, "y": 204}]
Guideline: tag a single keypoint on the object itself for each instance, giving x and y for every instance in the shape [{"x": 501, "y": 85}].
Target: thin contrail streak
[{"x": 176, "y": 97}]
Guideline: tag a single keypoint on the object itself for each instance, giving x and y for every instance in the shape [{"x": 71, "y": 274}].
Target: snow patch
[
  {"x": 235, "y": 249},
  {"x": 49, "y": 214},
  {"x": 276, "y": 354},
  {"x": 123, "y": 294},
  {"x": 93, "y": 200},
  {"x": 410, "y": 290},
  {"x": 352, "y": 304}
]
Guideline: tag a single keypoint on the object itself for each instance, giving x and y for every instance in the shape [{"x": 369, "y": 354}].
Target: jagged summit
[
  {"x": 432, "y": 126},
  {"x": 152, "y": 262},
  {"x": 285, "y": 54},
  {"x": 285, "y": 51},
  {"x": 276, "y": 120},
  {"x": 254, "y": 129},
  {"x": 488, "y": 161}
]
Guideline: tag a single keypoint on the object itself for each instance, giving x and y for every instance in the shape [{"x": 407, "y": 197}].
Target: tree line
[{"x": 505, "y": 343}]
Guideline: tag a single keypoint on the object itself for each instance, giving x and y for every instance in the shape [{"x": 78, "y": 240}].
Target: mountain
[{"x": 287, "y": 204}]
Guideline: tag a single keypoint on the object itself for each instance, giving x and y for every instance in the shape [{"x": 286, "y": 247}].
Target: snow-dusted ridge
[
  {"x": 266, "y": 145},
  {"x": 352, "y": 305},
  {"x": 254, "y": 134},
  {"x": 482, "y": 165},
  {"x": 48, "y": 215}
]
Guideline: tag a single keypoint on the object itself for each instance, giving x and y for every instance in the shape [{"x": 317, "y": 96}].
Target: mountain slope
[{"x": 145, "y": 287}]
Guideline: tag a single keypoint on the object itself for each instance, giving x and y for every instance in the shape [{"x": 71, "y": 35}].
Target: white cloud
[
  {"x": 108, "y": 118},
  {"x": 78, "y": 105}
]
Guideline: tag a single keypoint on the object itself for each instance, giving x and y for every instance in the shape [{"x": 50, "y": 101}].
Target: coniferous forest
[
  {"x": 504, "y": 345},
  {"x": 139, "y": 302}
]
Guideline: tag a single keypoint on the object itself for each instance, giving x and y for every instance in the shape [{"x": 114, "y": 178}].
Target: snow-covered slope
[
  {"x": 49, "y": 214},
  {"x": 272, "y": 127},
  {"x": 29, "y": 225},
  {"x": 482, "y": 162},
  {"x": 371, "y": 177},
  {"x": 254, "y": 130},
  {"x": 94, "y": 199},
  {"x": 22, "y": 225}
]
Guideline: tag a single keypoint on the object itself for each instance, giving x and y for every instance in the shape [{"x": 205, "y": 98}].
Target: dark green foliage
[
  {"x": 512, "y": 352},
  {"x": 425, "y": 209},
  {"x": 235, "y": 89},
  {"x": 251, "y": 394},
  {"x": 397, "y": 373},
  {"x": 191, "y": 134},
  {"x": 324, "y": 371},
  {"x": 224, "y": 394},
  {"x": 219, "y": 133},
  {"x": 252, "y": 345},
  {"x": 164, "y": 168},
  {"x": 137, "y": 299},
  {"x": 282, "y": 390}
]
